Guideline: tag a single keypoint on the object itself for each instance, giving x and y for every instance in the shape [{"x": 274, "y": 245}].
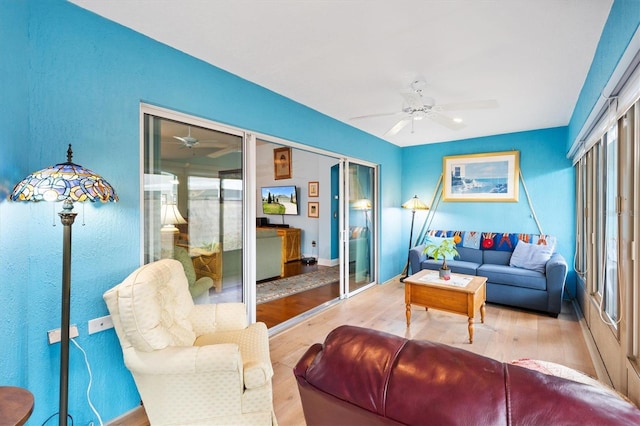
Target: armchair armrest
[
  {"x": 175, "y": 360},
  {"x": 209, "y": 318},
  {"x": 416, "y": 257}
]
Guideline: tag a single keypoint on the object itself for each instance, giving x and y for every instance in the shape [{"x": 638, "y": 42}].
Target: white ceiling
[{"x": 355, "y": 57}]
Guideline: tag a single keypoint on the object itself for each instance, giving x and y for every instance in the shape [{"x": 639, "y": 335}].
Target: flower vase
[{"x": 445, "y": 274}]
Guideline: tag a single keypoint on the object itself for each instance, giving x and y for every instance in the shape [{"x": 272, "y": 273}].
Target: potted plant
[{"x": 447, "y": 248}]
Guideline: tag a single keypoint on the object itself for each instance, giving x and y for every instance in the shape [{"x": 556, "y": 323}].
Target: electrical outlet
[
  {"x": 100, "y": 324},
  {"x": 313, "y": 243},
  {"x": 56, "y": 335}
]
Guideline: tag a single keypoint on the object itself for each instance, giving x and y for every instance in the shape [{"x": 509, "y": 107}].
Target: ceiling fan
[
  {"x": 419, "y": 106},
  {"x": 188, "y": 141}
]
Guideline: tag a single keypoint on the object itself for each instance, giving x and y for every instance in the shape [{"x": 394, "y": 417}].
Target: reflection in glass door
[
  {"x": 359, "y": 210},
  {"x": 193, "y": 202}
]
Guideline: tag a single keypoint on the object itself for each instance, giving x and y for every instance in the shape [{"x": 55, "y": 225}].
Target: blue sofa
[{"x": 523, "y": 282}]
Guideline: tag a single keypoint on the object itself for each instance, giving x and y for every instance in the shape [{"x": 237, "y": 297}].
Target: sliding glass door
[
  {"x": 193, "y": 202},
  {"x": 359, "y": 229}
]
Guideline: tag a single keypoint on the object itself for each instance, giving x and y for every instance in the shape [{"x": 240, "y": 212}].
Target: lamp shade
[
  {"x": 415, "y": 204},
  {"x": 64, "y": 182},
  {"x": 170, "y": 215},
  {"x": 362, "y": 204}
]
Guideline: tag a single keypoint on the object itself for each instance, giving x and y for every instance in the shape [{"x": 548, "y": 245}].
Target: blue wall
[
  {"x": 14, "y": 123},
  {"x": 69, "y": 76},
  {"x": 620, "y": 27},
  {"x": 548, "y": 176}
]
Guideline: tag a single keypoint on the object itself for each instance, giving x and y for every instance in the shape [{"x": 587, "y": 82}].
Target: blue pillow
[
  {"x": 531, "y": 256},
  {"x": 437, "y": 241}
]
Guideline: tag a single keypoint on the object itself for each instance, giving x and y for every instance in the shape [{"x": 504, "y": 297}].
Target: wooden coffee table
[{"x": 462, "y": 294}]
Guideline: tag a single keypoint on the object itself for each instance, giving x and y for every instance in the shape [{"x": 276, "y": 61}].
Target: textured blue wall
[
  {"x": 620, "y": 27},
  {"x": 69, "y": 76},
  {"x": 14, "y": 122},
  {"x": 548, "y": 176}
]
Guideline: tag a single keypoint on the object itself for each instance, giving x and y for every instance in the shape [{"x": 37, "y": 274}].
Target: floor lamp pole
[
  {"x": 67, "y": 218},
  {"x": 413, "y": 216}
]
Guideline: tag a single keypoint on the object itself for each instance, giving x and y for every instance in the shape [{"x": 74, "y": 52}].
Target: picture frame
[
  {"x": 313, "y": 189},
  {"x": 484, "y": 177},
  {"x": 313, "y": 209},
  {"x": 282, "y": 163}
]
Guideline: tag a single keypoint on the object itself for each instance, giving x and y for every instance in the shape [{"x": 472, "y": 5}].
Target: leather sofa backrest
[{"x": 383, "y": 376}]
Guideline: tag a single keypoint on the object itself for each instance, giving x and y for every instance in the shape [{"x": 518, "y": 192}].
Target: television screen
[{"x": 279, "y": 200}]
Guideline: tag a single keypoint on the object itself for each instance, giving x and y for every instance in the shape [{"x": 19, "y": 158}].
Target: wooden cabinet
[{"x": 290, "y": 244}]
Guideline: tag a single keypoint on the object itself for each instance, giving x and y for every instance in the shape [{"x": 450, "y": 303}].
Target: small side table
[{"x": 16, "y": 405}]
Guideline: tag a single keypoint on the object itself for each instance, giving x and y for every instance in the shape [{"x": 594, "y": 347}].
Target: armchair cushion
[
  {"x": 218, "y": 317},
  {"x": 154, "y": 314}
]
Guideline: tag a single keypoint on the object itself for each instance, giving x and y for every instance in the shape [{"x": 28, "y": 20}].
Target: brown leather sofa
[{"x": 366, "y": 377}]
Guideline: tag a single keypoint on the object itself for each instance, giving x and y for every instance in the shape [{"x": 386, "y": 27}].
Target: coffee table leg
[
  {"x": 482, "y": 312},
  {"x": 470, "y": 330},
  {"x": 408, "y": 314}
]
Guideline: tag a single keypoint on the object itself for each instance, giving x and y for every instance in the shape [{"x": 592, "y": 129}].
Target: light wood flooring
[{"x": 507, "y": 334}]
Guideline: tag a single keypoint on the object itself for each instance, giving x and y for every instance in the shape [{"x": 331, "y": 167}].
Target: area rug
[{"x": 277, "y": 289}]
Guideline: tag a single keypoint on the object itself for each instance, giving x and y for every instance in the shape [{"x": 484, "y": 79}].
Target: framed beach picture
[
  {"x": 481, "y": 177},
  {"x": 313, "y": 208},
  {"x": 282, "y": 163},
  {"x": 313, "y": 189}
]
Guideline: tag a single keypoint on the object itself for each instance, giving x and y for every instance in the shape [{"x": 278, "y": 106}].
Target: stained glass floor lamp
[{"x": 69, "y": 183}]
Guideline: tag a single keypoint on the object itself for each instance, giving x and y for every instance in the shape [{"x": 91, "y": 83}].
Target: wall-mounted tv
[{"x": 280, "y": 200}]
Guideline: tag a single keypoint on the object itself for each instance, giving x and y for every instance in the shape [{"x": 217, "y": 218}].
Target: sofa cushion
[
  {"x": 531, "y": 256},
  {"x": 496, "y": 257},
  {"x": 469, "y": 255},
  {"x": 517, "y": 277},
  {"x": 456, "y": 266}
]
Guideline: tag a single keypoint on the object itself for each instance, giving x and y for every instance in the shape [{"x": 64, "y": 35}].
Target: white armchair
[{"x": 192, "y": 364}]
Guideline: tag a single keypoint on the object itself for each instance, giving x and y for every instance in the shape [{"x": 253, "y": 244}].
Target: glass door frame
[{"x": 344, "y": 225}]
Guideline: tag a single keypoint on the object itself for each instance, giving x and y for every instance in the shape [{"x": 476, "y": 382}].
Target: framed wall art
[
  {"x": 313, "y": 209},
  {"x": 481, "y": 177},
  {"x": 282, "y": 163},
  {"x": 313, "y": 189}
]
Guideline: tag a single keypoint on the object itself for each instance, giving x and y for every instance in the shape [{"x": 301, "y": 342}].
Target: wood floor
[
  {"x": 507, "y": 334},
  {"x": 280, "y": 310}
]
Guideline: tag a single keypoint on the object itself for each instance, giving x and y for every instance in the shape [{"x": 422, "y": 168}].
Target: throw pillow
[
  {"x": 531, "y": 256},
  {"x": 436, "y": 241}
]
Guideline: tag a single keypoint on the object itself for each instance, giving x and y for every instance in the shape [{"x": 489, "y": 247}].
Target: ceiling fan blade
[
  {"x": 413, "y": 100},
  {"x": 444, "y": 120},
  {"x": 224, "y": 151},
  {"x": 384, "y": 114},
  {"x": 484, "y": 104},
  {"x": 398, "y": 126}
]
